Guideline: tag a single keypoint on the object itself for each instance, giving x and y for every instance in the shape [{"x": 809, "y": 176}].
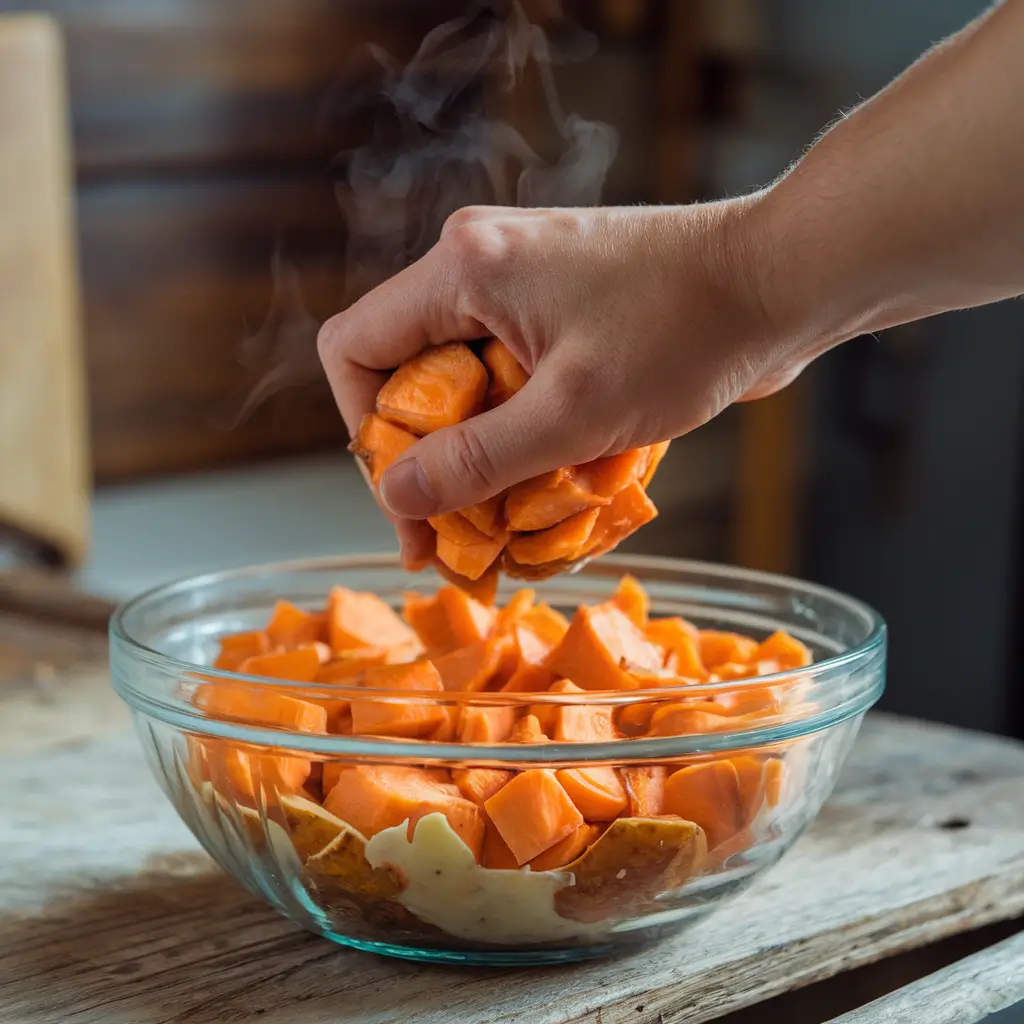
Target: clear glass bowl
[{"x": 651, "y": 879}]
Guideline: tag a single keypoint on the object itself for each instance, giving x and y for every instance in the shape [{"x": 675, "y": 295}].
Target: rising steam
[{"x": 436, "y": 145}]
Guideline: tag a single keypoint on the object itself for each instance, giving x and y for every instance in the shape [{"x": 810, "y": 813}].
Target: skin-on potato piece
[{"x": 633, "y": 861}]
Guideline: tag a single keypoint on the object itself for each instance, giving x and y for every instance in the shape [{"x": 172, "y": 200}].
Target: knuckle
[
  {"x": 462, "y": 217},
  {"x": 330, "y": 340},
  {"x": 478, "y": 246}
]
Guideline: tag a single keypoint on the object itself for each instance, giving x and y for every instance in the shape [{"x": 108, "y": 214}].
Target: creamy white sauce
[{"x": 448, "y": 889}]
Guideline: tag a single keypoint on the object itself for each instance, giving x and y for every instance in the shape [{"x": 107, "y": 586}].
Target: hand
[{"x": 636, "y": 325}]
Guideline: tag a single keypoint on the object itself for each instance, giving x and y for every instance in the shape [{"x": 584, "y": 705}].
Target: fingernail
[{"x": 406, "y": 491}]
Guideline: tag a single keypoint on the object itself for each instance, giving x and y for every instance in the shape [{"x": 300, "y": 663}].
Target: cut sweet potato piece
[
  {"x": 548, "y": 713},
  {"x": 688, "y": 719},
  {"x": 298, "y": 666},
  {"x": 565, "y": 851},
  {"x": 681, "y": 642},
  {"x": 750, "y": 700},
  {"x": 290, "y": 626},
  {"x": 364, "y": 620},
  {"x": 550, "y": 625},
  {"x": 645, "y": 790},
  {"x": 237, "y": 647},
  {"x": 632, "y": 600},
  {"x": 427, "y": 617},
  {"x": 785, "y": 650},
  {"x": 655, "y": 453},
  {"x": 600, "y": 641},
  {"x": 484, "y": 590},
  {"x": 469, "y": 669},
  {"x": 628, "y": 511},
  {"x": 532, "y": 813},
  {"x": 496, "y": 854},
  {"x": 372, "y": 798},
  {"x": 506, "y": 373},
  {"x": 581, "y": 723},
  {"x": 597, "y": 792},
  {"x": 468, "y": 620},
  {"x": 379, "y": 444},
  {"x": 565, "y": 541},
  {"x": 487, "y": 516},
  {"x": 399, "y": 717},
  {"x": 528, "y": 730},
  {"x": 718, "y": 647},
  {"x": 607, "y": 476},
  {"x": 486, "y": 724},
  {"x": 457, "y": 529},
  {"x": 479, "y": 784},
  {"x": 633, "y": 862},
  {"x": 546, "y": 500},
  {"x": 760, "y": 783},
  {"x": 469, "y": 561},
  {"x": 515, "y": 608},
  {"x": 531, "y": 674},
  {"x": 247, "y": 771},
  {"x": 708, "y": 794},
  {"x": 440, "y": 387}
]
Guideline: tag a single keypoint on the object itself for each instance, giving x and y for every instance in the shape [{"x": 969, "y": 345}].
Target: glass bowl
[{"x": 752, "y": 782}]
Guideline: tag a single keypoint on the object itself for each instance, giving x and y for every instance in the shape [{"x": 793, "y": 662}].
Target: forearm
[{"x": 912, "y": 205}]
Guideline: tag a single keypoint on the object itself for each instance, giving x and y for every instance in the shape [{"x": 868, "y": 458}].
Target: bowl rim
[{"x": 195, "y": 721}]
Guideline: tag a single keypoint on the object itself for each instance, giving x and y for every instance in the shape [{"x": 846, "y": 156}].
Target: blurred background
[{"x": 187, "y": 188}]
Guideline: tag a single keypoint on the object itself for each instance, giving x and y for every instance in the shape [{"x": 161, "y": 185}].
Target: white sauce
[{"x": 448, "y": 889}]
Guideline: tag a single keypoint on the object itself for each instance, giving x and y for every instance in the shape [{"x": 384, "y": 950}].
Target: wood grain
[
  {"x": 963, "y": 993},
  {"x": 43, "y": 446},
  {"x": 129, "y": 922}
]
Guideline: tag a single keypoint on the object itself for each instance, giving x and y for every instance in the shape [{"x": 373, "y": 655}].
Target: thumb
[{"x": 534, "y": 432}]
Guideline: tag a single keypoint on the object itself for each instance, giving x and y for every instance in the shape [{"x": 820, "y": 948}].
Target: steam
[{"x": 435, "y": 147}]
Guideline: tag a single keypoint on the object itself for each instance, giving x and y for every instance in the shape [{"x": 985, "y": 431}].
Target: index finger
[{"x": 417, "y": 307}]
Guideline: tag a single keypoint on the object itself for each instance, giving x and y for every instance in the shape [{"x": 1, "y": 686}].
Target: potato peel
[
  {"x": 633, "y": 861},
  {"x": 343, "y": 864}
]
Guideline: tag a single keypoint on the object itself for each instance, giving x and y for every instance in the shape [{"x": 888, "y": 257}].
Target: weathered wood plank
[
  {"x": 962, "y": 993},
  {"x": 108, "y": 911}
]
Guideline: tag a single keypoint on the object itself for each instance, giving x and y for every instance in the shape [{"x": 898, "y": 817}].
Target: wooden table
[{"x": 110, "y": 912}]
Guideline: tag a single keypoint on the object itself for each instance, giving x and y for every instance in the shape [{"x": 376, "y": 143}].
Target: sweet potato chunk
[
  {"x": 558, "y": 543},
  {"x": 785, "y": 650},
  {"x": 597, "y": 792},
  {"x": 414, "y": 717},
  {"x": 364, "y": 620},
  {"x": 507, "y": 376},
  {"x": 628, "y": 511},
  {"x": 427, "y": 616},
  {"x": 566, "y": 850},
  {"x": 379, "y": 444},
  {"x": 469, "y": 669},
  {"x": 718, "y": 647},
  {"x": 708, "y": 794},
  {"x": 486, "y": 725},
  {"x": 600, "y": 641},
  {"x": 470, "y": 561},
  {"x": 440, "y": 387},
  {"x": 532, "y": 813},
  {"x": 645, "y": 790},
  {"x": 496, "y": 854},
  {"x": 487, "y": 516},
  {"x": 468, "y": 619},
  {"x": 528, "y": 730},
  {"x": 544, "y": 501},
  {"x": 298, "y": 666},
  {"x": 290, "y": 626},
  {"x": 655, "y": 453},
  {"x": 237, "y": 647},
  {"x": 760, "y": 783},
  {"x": 480, "y": 784},
  {"x": 484, "y": 589},
  {"x": 632, "y": 600},
  {"x": 610, "y": 475},
  {"x": 372, "y": 798}
]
